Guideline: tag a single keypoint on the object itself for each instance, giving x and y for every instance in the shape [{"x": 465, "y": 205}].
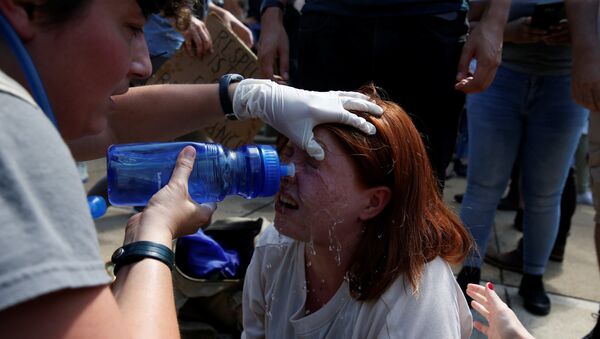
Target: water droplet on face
[{"x": 311, "y": 247}]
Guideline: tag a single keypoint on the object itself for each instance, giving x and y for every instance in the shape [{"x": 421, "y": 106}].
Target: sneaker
[
  {"x": 511, "y": 261},
  {"x": 468, "y": 275},
  {"x": 585, "y": 198},
  {"x": 535, "y": 299},
  {"x": 595, "y": 332}
]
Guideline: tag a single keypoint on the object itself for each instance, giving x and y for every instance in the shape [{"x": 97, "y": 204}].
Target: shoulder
[
  {"x": 438, "y": 299},
  {"x": 12, "y": 89},
  {"x": 47, "y": 232}
]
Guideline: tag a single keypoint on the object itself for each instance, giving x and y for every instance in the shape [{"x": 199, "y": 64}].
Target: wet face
[
  {"x": 322, "y": 203},
  {"x": 89, "y": 58}
]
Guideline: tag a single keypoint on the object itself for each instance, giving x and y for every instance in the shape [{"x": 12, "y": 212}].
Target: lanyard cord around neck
[{"x": 31, "y": 74}]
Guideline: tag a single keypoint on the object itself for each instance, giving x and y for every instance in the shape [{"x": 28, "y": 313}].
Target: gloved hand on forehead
[{"x": 295, "y": 112}]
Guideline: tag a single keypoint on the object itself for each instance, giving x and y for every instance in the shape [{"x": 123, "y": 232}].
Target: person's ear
[
  {"x": 377, "y": 199},
  {"x": 16, "y": 14}
]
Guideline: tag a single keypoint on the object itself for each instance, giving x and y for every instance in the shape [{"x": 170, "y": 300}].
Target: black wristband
[
  {"x": 139, "y": 250},
  {"x": 226, "y": 104},
  {"x": 270, "y": 3}
]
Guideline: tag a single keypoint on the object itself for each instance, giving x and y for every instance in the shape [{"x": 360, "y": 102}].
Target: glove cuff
[{"x": 250, "y": 98}]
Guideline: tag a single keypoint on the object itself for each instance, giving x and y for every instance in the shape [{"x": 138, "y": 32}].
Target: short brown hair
[{"x": 58, "y": 11}]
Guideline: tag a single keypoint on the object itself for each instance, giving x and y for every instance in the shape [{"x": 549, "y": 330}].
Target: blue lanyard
[{"x": 31, "y": 74}]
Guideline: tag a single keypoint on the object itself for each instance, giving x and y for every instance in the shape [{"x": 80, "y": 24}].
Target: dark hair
[
  {"x": 416, "y": 226},
  {"x": 58, "y": 11}
]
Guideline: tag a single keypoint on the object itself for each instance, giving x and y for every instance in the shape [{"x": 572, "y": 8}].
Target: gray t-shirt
[
  {"x": 539, "y": 58},
  {"x": 47, "y": 236}
]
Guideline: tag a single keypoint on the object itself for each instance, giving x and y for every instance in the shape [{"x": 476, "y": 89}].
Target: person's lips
[{"x": 285, "y": 200}]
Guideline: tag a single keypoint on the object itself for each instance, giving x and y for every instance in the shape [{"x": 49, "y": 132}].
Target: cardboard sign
[{"x": 230, "y": 56}]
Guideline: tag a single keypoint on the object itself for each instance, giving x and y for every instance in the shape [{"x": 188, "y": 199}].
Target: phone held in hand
[{"x": 548, "y": 14}]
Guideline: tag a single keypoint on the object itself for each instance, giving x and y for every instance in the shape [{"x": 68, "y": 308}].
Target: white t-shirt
[
  {"x": 275, "y": 294},
  {"x": 47, "y": 235}
]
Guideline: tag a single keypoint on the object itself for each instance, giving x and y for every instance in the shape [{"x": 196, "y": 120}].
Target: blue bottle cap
[
  {"x": 97, "y": 206},
  {"x": 270, "y": 161}
]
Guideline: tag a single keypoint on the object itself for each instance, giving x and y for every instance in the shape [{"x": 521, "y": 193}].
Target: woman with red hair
[{"x": 361, "y": 242}]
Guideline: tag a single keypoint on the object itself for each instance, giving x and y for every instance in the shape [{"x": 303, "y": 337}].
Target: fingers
[
  {"x": 357, "y": 122},
  {"x": 198, "y": 43},
  {"x": 476, "y": 292},
  {"x": 362, "y": 105},
  {"x": 351, "y": 94},
  {"x": 197, "y": 39},
  {"x": 266, "y": 59},
  {"x": 484, "y": 74},
  {"x": 243, "y": 32},
  {"x": 314, "y": 149},
  {"x": 206, "y": 38},
  {"x": 584, "y": 96},
  {"x": 184, "y": 165},
  {"x": 284, "y": 63},
  {"x": 476, "y": 288},
  {"x": 481, "y": 309},
  {"x": 464, "y": 61},
  {"x": 492, "y": 296},
  {"x": 480, "y": 327}
]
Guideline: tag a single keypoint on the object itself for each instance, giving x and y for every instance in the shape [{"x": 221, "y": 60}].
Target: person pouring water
[{"x": 86, "y": 52}]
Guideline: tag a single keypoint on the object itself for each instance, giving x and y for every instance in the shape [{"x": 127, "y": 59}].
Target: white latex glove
[{"x": 295, "y": 112}]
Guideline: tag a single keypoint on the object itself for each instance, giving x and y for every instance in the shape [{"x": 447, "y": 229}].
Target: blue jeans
[{"x": 533, "y": 117}]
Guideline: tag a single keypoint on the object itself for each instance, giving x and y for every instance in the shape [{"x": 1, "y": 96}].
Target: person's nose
[{"x": 141, "y": 67}]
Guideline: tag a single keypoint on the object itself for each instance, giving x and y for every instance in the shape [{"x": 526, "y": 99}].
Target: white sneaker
[{"x": 585, "y": 198}]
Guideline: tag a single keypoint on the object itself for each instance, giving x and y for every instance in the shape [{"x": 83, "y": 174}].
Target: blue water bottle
[{"x": 137, "y": 171}]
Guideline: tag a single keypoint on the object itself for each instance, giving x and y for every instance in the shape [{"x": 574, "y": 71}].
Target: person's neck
[
  {"x": 10, "y": 65},
  {"x": 325, "y": 271}
]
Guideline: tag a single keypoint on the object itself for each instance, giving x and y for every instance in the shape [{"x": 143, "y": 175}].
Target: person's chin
[{"x": 97, "y": 126}]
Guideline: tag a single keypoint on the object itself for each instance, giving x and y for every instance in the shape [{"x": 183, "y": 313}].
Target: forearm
[
  {"x": 144, "y": 290},
  {"x": 153, "y": 113},
  {"x": 144, "y": 294},
  {"x": 583, "y": 25},
  {"x": 496, "y": 13}
]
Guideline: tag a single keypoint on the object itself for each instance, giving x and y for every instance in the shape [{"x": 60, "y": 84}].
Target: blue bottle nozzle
[{"x": 287, "y": 170}]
